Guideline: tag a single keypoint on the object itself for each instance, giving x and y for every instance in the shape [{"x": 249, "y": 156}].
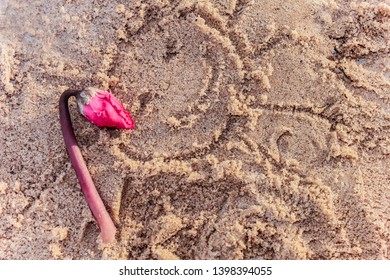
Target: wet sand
[{"x": 262, "y": 129}]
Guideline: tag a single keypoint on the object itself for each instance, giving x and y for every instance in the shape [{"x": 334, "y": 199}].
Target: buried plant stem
[{"x": 88, "y": 188}]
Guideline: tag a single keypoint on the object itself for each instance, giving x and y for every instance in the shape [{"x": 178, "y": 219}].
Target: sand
[{"x": 262, "y": 129}]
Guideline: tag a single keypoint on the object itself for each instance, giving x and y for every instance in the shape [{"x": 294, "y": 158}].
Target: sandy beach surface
[{"x": 262, "y": 128}]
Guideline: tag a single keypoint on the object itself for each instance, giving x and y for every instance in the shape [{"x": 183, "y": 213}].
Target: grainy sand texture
[{"x": 262, "y": 128}]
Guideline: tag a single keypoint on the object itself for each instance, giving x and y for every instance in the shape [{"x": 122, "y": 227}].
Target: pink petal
[{"x": 105, "y": 110}]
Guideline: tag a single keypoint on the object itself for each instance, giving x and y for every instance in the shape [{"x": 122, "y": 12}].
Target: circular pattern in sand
[{"x": 183, "y": 107}]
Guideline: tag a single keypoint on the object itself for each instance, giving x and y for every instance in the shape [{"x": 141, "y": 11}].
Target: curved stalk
[{"x": 88, "y": 188}]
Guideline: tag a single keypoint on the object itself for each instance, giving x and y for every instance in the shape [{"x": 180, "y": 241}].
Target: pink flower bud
[{"x": 103, "y": 109}]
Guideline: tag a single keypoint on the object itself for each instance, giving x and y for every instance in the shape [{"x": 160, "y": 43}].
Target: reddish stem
[{"x": 88, "y": 188}]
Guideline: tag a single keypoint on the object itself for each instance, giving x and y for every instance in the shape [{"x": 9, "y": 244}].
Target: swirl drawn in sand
[
  {"x": 252, "y": 158},
  {"x": 262, "y": 129}
]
